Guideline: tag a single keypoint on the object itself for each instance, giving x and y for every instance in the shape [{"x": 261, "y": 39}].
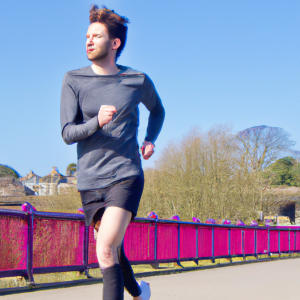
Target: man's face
[{"x": 98, "y": 44}]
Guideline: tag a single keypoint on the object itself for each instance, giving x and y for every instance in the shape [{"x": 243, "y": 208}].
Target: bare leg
[
  {"x": 110, "y": 249},
  {"x": 111, "y": 232}
]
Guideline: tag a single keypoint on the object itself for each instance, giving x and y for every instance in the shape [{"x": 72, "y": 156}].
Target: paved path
[{"x": 265, "y": 280}]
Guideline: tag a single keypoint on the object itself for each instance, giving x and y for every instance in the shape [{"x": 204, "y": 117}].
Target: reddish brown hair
[{"x": 115, "y": 24}]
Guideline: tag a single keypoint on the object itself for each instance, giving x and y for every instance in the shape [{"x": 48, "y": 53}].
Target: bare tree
[
  {"x": 260, "y": 146},
  {"x": 200, "y": 175},
  {"x": 214, "y": 174}
]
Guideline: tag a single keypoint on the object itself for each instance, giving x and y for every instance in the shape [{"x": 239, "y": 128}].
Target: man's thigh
[{"x": 113, "y": 226}]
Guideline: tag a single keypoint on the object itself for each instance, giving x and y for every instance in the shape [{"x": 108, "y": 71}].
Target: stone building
[
  {"x": 48, "y": 185},
  {"x": 30, "y": 180},
  {"x": 55, "y": 183}
]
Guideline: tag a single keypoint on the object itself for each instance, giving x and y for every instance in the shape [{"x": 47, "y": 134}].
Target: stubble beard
[{"x": 98, "y": 55}]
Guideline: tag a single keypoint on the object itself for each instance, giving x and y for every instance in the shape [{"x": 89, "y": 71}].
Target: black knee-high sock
[
  {"x": 113, "y": 283},
  {"x": 130, "y": 283}
]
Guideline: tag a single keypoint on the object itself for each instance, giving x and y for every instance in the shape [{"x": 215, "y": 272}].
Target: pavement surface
[{"x": 266, "y": 280}]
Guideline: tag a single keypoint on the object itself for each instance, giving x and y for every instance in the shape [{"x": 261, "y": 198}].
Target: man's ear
[{"x": 116, "y": 44}]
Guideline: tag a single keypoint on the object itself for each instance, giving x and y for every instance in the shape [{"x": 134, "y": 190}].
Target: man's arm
[
  {"x": 69, "y": 108},
  {"x": 71, "y": 131},
  {"x": 156, "y": 118}
]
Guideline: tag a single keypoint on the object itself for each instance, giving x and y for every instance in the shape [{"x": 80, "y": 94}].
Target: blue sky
[{"x": 212, "y": 62}]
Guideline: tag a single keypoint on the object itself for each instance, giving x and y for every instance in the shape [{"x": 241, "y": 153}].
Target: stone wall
[
  {"x": 9, "y": 186},
  {"x": 46, "y": 189},
  {"x": 66, "y": 188}
]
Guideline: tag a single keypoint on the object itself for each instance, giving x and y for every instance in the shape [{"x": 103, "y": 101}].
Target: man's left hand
[{"x": 147, "y": 150}]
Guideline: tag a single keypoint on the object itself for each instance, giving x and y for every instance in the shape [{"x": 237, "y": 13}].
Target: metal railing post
[
  {"x": 213, "y": 245},
  {"x": 155, "y": 240},
  {"x": 85, "y": 246},
  {"x": 279, "y": 248},
  {"x": 289, "y": 241},
  {"x": 295, "y": 240},
  {"x": 29, "y": 278},
  {"x": 178, "y": 262},
  {"x": 255, "y": 244},
  {"x": 196, "y": 256},
  {"x": 86, "y": 252},
  {"x": 229, "y": 245},
  {"x": 243, "y": 244},
  {"x": 269, "y": 254}
]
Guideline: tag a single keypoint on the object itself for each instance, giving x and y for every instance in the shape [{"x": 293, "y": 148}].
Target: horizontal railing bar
[
  {"x": 93, "y": 266},
  {"x": 45, "y": 270},
  {"x": 141, "y": 262},
  {"x": 58, "y": 216},
  {"x": 145, "y": 220},
  {"x": 10, "y": 204},
  {"x": 14, "y": 213},
  {"x": 13, "y": 273}
]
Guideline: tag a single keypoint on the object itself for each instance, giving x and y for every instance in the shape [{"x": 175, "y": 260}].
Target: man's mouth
[{"x": 89, "y": 50}]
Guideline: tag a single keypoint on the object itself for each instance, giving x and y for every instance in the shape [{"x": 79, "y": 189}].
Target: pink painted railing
[{"x": 35, "y": 242}]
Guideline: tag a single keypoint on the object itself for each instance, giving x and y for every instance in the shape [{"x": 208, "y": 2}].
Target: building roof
[
  {"x": 53, "y": 177},
  {"x": 30, "y": 175}
]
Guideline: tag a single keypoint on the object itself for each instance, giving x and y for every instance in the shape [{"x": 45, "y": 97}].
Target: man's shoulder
[
  {"x": 130, "y": 71},
  {"x": 80, "y": 72}
]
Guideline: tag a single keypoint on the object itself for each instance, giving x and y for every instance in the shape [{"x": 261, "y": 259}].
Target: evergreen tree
[
  {"x": 6, "y": 171},
  {"x": 285, "y": 171},
  {"x": 71, "y": 168}
]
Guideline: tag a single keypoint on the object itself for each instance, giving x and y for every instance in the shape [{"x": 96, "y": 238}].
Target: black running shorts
[{"x": 125, "y": 193}]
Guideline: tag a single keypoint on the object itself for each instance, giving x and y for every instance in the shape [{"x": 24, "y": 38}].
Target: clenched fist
[
  {"x": 147, "y": 150},
  {"x": 105, "y": 114}
]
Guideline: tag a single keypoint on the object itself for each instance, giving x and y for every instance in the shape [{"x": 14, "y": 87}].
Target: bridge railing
[{"x": 42, "y": 242}]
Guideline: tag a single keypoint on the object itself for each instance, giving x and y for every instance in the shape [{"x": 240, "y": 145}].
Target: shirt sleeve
[
  {"x": 71, "y": 130},
  {"x": 153, "y": 103}
]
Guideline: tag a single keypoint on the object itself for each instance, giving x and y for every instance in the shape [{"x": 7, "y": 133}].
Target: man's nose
[{"x": 90, "y": 40}]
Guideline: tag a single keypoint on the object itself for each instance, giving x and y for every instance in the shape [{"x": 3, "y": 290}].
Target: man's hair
[{"x": 115, "y": 24}]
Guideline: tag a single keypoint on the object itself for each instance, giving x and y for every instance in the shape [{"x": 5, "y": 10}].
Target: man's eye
[{"x": 98, "y": 36}]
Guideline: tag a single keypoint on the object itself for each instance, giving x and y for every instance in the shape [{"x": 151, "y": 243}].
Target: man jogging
[{"x": 99, "y": 112}]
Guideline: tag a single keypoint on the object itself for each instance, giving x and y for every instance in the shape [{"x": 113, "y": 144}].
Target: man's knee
[{"x": 106, "y": 255}]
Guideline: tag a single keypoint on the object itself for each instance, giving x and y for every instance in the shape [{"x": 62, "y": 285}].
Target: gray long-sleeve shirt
[{"x": 109, "y": 153}]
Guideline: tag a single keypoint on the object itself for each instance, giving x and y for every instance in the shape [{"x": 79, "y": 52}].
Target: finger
[
  {"x": 148, "y": 154},
  {"x": 108, "y": 108},
  {"x": 111, "y": 108},
  {"x": 108, "y": 113},
  {"x": 149, "y": 147}
]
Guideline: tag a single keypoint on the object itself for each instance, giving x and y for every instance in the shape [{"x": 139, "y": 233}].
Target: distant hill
[{"x": 6, "y": 171}]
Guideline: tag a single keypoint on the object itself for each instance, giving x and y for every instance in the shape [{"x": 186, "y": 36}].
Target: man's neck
[{"x": 105, "y": 68}]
